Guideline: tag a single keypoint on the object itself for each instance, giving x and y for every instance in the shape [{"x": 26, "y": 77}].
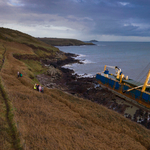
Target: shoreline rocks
[{"x": 88, "y": 88}]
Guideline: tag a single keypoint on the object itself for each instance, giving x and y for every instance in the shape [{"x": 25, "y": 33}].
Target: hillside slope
[
  {"x": 53, "y": 119},
  {"x": 63, "y": 42}
]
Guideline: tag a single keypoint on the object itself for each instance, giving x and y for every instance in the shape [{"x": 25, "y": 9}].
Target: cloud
[
  {"x": 15, "y": 3},
  {"x": 124, "y": 3},
  {"x": 78, "y": 18}
]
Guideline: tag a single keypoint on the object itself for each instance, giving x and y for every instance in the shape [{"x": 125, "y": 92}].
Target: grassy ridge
[
  {"x": 63, "y": 42},
  {"x": 57, "y": 120},
  {"x": 19, "y": 37}
]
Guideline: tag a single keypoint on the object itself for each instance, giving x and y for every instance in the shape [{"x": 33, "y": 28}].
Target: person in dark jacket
[
  {"x": 20, "y": 74},
  {"x": 37, "y": 87},
  {"x": 42, "y": 90}
]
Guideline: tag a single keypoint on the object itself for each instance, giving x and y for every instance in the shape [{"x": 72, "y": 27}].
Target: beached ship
[{"x": 124, "y": 87}]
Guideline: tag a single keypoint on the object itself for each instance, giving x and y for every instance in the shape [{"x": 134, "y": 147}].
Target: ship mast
[{"x": 146, "y": 81}]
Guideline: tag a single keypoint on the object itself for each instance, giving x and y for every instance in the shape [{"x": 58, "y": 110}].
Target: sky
[{"x": 102, "y": 20}]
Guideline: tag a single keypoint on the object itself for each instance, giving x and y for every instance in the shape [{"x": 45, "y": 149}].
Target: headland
[{"x": 64, "y": 42}]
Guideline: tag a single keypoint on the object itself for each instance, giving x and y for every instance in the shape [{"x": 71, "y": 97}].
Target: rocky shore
[{"x": 86, "y": 87}]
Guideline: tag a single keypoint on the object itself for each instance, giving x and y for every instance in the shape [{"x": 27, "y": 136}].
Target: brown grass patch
[{"x": 5, "y": 139}]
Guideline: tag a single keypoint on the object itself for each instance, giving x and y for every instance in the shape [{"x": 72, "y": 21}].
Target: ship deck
[{"x": 129, "y": 81}]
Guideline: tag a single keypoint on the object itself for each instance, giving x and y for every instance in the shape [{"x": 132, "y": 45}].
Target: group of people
[
  {"x": 38, "y": 88},
  {"x": 19, "y": 74}
]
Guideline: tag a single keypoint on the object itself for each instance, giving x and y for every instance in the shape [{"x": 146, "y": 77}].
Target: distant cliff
[{"x": 63, "y": 42}]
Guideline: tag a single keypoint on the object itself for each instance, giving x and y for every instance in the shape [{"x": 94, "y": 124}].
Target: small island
[
  {"x": 93, "y": 41},
  {"x": 63, "y": 42}
]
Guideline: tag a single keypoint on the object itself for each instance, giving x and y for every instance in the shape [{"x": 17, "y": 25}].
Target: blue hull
[{"x": 142, "y": 98}]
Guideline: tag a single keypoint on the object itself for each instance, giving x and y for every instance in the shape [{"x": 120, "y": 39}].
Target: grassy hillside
[
  {"x": 53, "y": 120},
  {"x": 63, "y": 42}
]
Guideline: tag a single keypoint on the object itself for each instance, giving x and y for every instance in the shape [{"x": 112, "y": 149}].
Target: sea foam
[
  {"x": 81, "y": 55},
  {"x": 86, "y": 61},
  {"x": 86, "y": 75},
  {"x": 66, "y": 66}
]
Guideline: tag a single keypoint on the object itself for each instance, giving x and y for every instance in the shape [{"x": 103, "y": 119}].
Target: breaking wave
[
  {"x": 81, "y": 55},
  {"x": 86, "y": 75},
  {"x": 67, "y": 66},
  {"x": 87, "y": 61}
]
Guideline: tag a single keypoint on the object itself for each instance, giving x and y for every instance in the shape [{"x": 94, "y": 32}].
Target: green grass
[
  {"x": 42, "y": 53},
  {"x": 34, "y": 66},
  {"x": 16, "y": 36}
]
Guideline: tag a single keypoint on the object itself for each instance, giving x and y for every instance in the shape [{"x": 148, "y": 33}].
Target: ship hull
[{"x": 135, "y": 96}]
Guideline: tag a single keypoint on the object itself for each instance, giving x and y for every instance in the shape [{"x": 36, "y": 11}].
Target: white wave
[
  {"x": 81, "y": 55},
  {"x": 66, "y": 66},
  {"x": 87, "y": 61},
  {"x": 85, "y": 75}
]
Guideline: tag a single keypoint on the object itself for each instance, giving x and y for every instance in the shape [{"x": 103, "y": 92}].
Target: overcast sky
[{"x": 104, "y": 20}]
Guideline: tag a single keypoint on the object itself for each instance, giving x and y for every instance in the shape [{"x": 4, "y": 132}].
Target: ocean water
[{"x": 132, "y": 57}]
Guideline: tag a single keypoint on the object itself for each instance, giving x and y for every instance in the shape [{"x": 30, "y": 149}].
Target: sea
[{"x": 132, "y": 57}]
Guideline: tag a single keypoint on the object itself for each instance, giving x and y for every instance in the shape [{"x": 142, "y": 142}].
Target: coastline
[
  {"x": 87, "y": 87},
  {"x": 64, "y": 42}
]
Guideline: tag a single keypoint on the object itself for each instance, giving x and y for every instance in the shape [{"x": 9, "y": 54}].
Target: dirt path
[
  {"x": 12, "y": 136},
  {"x": 3, "y": 59}
]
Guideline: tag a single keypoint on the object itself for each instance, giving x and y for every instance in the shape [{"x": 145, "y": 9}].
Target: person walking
[
  {"x": 18, "y": 74},
  {"x": 40, "y": 88},
  {"x": 35, "y": 86}
]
